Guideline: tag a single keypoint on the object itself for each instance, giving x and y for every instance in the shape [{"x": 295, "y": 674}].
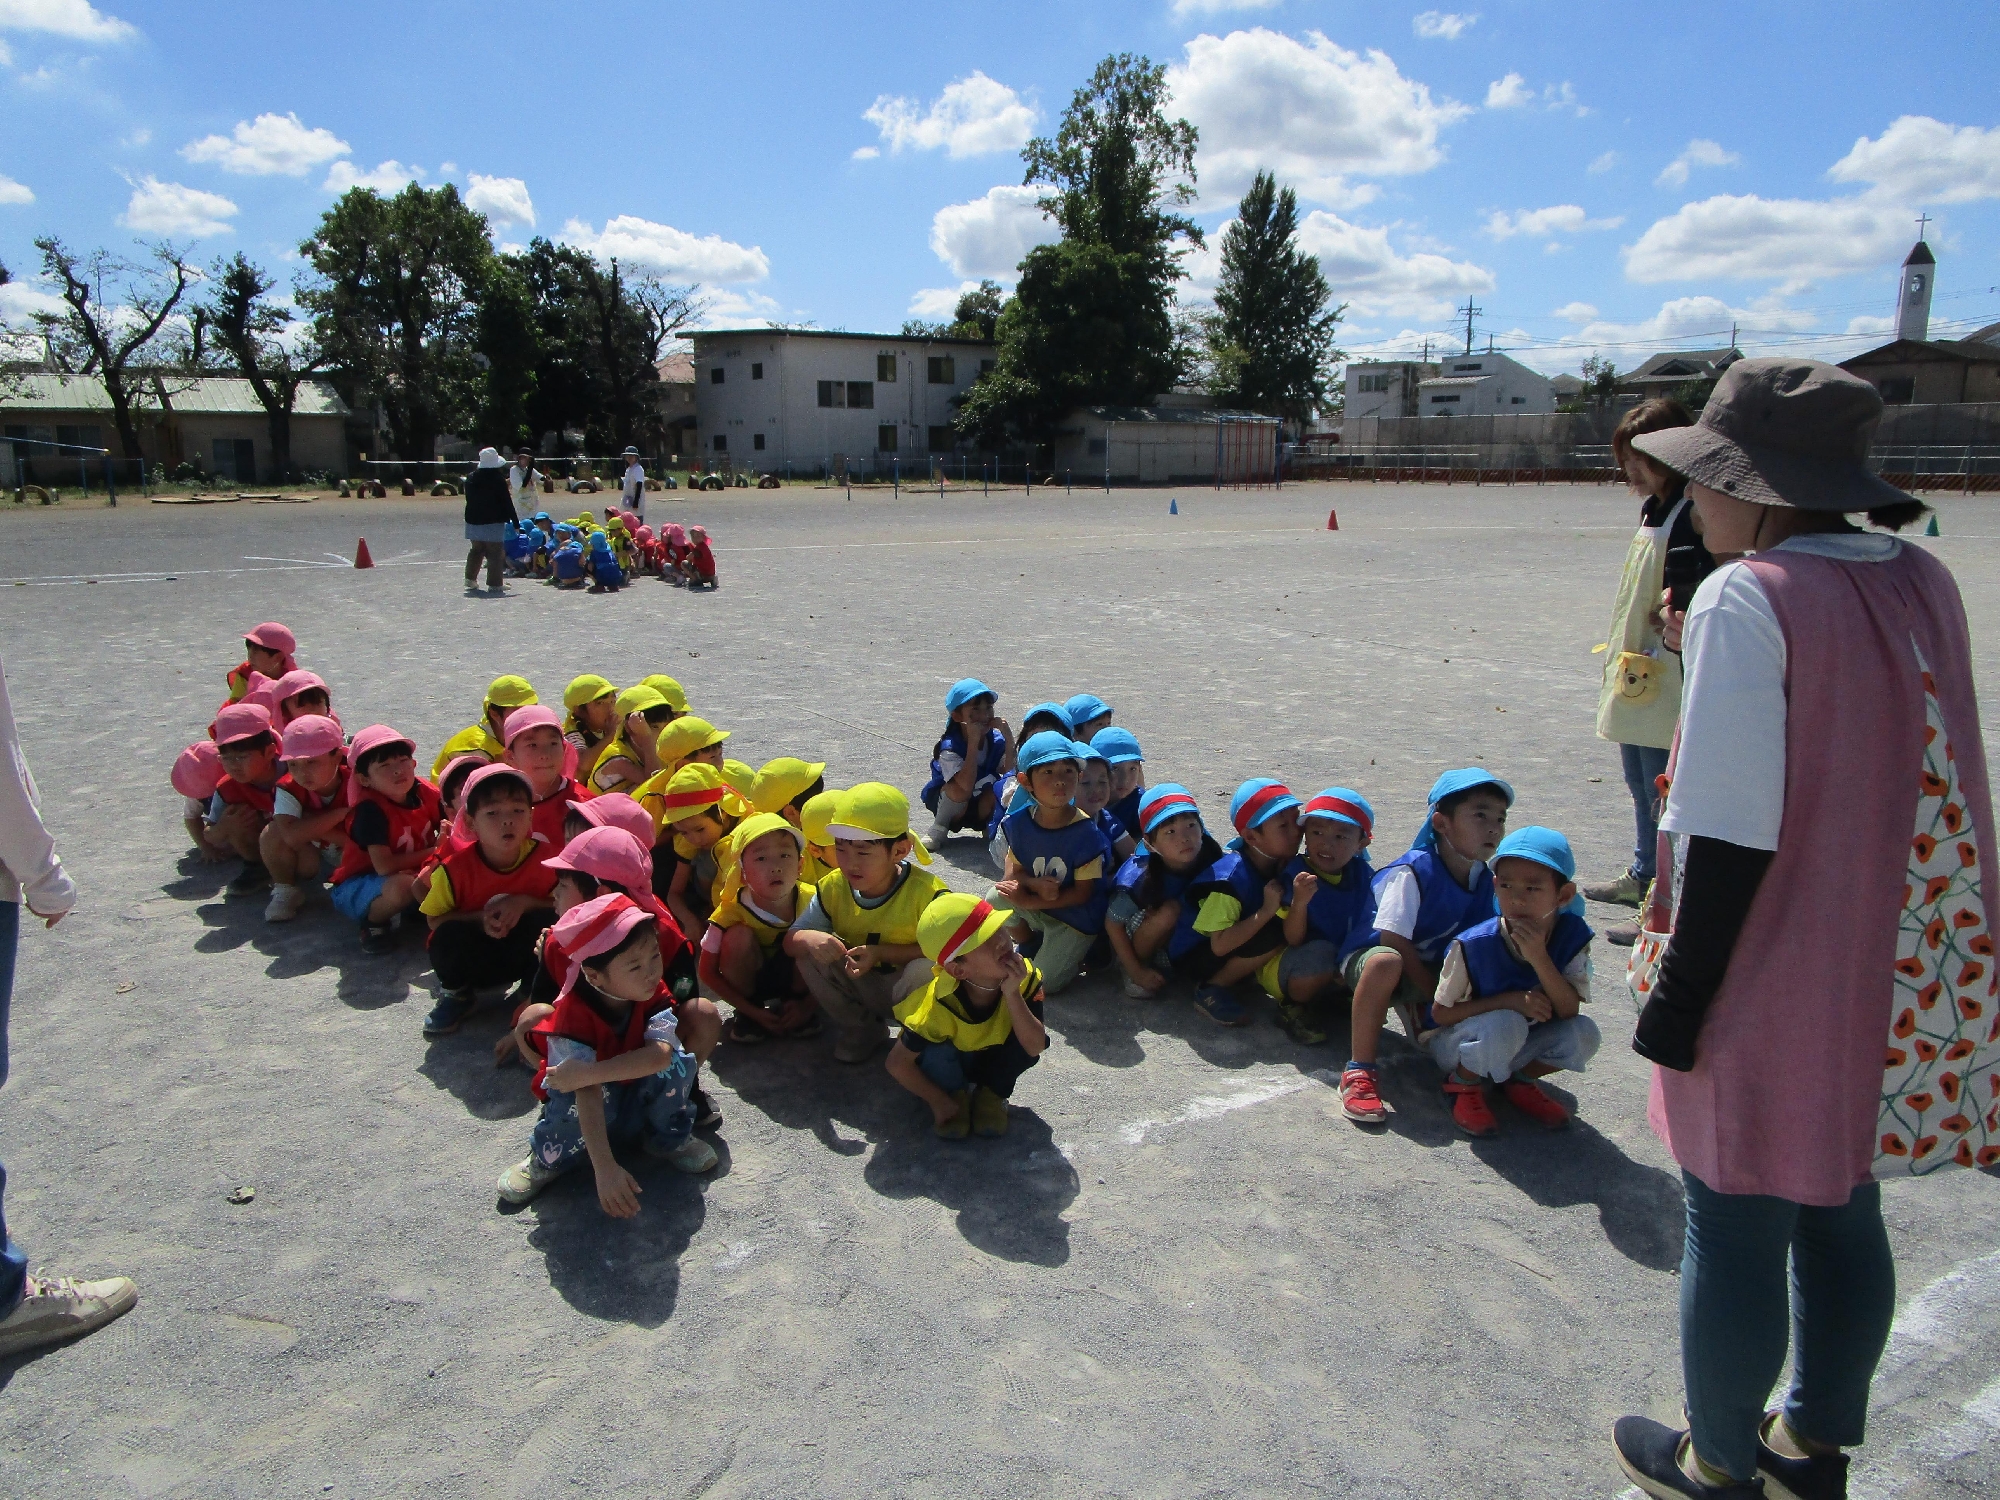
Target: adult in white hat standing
[
  {"x": 634, "y": 489},
  {"x": 489, "y": 506}
]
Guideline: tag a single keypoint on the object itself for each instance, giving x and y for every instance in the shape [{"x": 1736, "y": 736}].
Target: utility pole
[{"x": 1470, "y": 313}]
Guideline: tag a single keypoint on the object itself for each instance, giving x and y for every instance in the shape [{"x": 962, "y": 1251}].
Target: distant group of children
[
  {"x": 582, "y": 553},
  {"x": 626, "y": 881}
]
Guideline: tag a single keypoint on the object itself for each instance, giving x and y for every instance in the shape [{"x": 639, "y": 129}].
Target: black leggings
[{"x": 466, "y": 958}]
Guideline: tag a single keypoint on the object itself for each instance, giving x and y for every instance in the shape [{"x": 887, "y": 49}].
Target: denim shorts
[{"x": 353, "y": 896}]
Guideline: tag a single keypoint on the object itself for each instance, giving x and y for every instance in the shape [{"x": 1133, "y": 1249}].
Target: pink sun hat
[
  {"x": 309, "y": 735},
  {"x": 597, "y": 926},
  {"x": 198, "y": 769},
  {"x": 617, "y": 810},
  {"x": 374, "y": 737}
]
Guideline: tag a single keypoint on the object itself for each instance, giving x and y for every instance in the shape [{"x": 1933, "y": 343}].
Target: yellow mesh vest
[
  {"x": 894, "y": 921},
  {"x": 936, "y": 1013}
]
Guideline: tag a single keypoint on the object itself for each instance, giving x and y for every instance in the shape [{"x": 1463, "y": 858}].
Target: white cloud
[
  {"x": 1442, "y": 25},
  {"x": 71, "y": 18},
  {"x": 937, "y": 302},
  {"x": 1576, "y": 312},
  {"x": 1870, "y": 326},
  {"x": 989, "y": 235},
  {"x": 737, "y": 307},
  {"x": 6, "y": 56},
  {"x": 504, "y": 200},
  {"x": 974, "y": 115},
  {"x": 1789, "y": 239},
  {"x": 389, "y": 177},
  {"x": 1603, "y": 163},
  {"x": 1921, "y": 159},
  {"x": 866, "y": 153},
  {"x": 1545, "y": 223},
  {"x": 672, "y": 252},
  {"x": 1562, "y": 96},
  {"x": 1312, "y": 112},
  {"x": 142, "y": 136},
  {"x": 270, "y": 145},
  {"x": 1683, "y": 323},
  {"x": 1697, "y": 153},
  {"x": 1363, "y": 269},
  {"x": 169, "y": 208},
  {"x": 15, "y": 192},
  {"x": 1182, "y": 9},
  {"x": 1511, "y": 92}
]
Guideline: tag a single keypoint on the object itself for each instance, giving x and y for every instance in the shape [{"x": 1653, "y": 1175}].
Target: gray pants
[
  {"x": 1501, "y": 1043},
  {"x": 495, "y": 554},
  {"x": 862, "y": 1008},
  {"x": 1063, "y": 949}
]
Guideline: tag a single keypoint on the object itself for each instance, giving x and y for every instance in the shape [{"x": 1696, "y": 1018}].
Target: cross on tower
[{"x": 1922, "y": 221}]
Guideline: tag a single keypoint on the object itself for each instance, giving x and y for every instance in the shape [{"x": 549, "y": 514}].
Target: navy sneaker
[
  {"x": 1821, "y": 1477},
  {"x": 706, "y": 1115},
  {"x": 1650, "y": 1454},
  {"x": 1221, "y": 1007},
  {"x": 451, "y": 1010},
  {"x": 377, "y": 937}
]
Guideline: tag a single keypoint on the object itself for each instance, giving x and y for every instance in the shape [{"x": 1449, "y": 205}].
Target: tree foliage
[
  {"x": 114, "y": 311},
  {"x": 1270, "y": 339},
  {"x": 254, "y": 332}
]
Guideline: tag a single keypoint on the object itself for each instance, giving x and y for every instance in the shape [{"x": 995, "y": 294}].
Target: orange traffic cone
[
  {"x": 361, "y": 557},
  {"x": 1333, "y": 520}
]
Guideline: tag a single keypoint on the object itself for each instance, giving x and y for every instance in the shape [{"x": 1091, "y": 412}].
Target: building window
[
  {"x": 715, "y": 376},
  {"x": 757, "y": 441},
  {"x": 833, "y": 393},
  {"x": 757, "y": 372},
  {"x": 1097, "y": 447},
  {"x": 1375, "y": 384},
  {"x": 721, "y": 443},
  {"x": 885, "y": 438},
  {"x": 861, "y": 395},
  {"x": 1517, "y": 400},
  {"x": 885, "y": 368},
  {"x": 1441, "y": 400},
  {"x": 1898, "y": 390},
  {"x": 942, "y": 439},
  {"x": 943, "y": 370},
  {"x": 1462, "y": 369}
]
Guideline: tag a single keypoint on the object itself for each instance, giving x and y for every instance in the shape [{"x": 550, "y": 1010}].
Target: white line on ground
[
  {"x": 65, "y": 580},
  {"x": 1214, "y": 1106}
]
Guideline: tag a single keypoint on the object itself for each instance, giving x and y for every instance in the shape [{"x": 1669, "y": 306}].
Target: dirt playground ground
[{"x": 1181, "y": 1274}]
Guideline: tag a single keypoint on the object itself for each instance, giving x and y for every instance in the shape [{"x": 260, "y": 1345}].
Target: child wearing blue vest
[
  {"x": 1508, "y": 996},
  {"x": 1055, "y": 880},
  {"x": 1239, "y": 898},
  {"x": 975, "y": 749},
  {"x": 1093, "y": 800},
  {"x": 1332, "y": 915},
  {"x": 1423, "y": 900},
  {"x": 1088, "y": 714},
  {"x": 1121, "y": 752},
  {"x": 1151, "y": 916},
  {"x": 1010, "y": 795}
]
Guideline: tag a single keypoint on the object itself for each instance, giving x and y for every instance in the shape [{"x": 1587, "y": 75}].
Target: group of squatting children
[{"x": 627, "y": 884}]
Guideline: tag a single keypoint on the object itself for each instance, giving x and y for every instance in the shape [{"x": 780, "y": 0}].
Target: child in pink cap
[
  {"x": 196, "y": 771},
  {"x": 248, "y": 749},
  {"x": 268, "y": 649},
  {"x": 308, "y": 813},
  {"x": 299, "y": 693},
  {"x": 699, "y": 563},
  {"x": 614, "y": 1064},
  {"x": 391, "y": 830},
  {"x": 537, "y": 749}
]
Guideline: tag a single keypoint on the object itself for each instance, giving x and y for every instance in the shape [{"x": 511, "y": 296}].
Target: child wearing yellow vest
[
  {"x": 697, "y": 811},
  {"x": 857, "y": 942},
  {"x": 503, "y": 695},
  {"x": 743, "y": 961},
  {"x": 976, "y": 1026},
  {"x": 815, "y": 815}
]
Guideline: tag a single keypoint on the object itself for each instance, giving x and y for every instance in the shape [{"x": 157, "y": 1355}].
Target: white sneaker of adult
[{"x": 56, "y": 1309}]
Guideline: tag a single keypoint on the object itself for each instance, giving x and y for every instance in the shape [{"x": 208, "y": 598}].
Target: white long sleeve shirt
[{"x": 29, "y": 866}]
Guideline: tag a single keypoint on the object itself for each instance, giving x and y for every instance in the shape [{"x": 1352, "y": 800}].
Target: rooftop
[
  {"x": 1456, "y": 380},
  {"x": 1904, "y": 351},
  {"x": 1173, "y": 414},
  {"x": 219, "y": 395},
  {"x": 1679, "y": 365},
  {"x": 710, "y": 334}
]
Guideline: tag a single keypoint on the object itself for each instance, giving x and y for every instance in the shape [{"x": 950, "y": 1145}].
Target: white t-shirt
[
  {"x": 1397, "y": 897},
  {"x": 635, "y": 488},
  {"x": 1729, "y": 777},
  {"x": 285, "y": 805},
  {"x": 194, "y": 807}
]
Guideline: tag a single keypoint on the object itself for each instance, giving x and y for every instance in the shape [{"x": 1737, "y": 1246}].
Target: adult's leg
[
  {"x": 1843, "y": 1299},
  {"x": 1643, "y": 764},
  {"x": 13, "y": 1259},
  {"x": 475, "y": 553},
  {"x": 1734, "y": 1311},
  {"x": 496, "y": 563}
]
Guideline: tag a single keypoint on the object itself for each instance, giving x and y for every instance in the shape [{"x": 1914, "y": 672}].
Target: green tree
[
  {"x": 1092, "y": 319},
  {"x": 252, "y": 331},
  {"x": 394, "y": 296},
  {"x": 509, "y": 355},
  {"x": 596, "y": 372},
  {"x": 977, "y": 312},
  {"x": 113, "y": 311},
  {"x": 1271, "y": 336}
]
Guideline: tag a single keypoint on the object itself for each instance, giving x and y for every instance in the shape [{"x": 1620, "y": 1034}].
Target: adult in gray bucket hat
[{"x": 1821, "y": 999}]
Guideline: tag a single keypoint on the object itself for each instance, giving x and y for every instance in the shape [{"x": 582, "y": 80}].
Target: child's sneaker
[
  {"x": 1530, "y": 1100},
  {"x": 54, "y": 1309},
  {"x": 989, "y": 1113},
  {"x": 1220, "y": 1006},
  {"x": 1360, "y": 1099},
  {"x": 286, "y": 902},
  {"x": 377, "y": 937},
  {"x": 1296, "y": 1022},
  {"x": 692, "y": 1156},
  {"x": 706, "y": 1115},
  {"x": 1469, "y": 1110},
  {"x": 1137, "y": 991},
  {"x": 248, "y": 881},
  {"x": 524, "y": 1179},
  {"x": 451, "y": 1010},
  {"x": 959, "y": 1126}
]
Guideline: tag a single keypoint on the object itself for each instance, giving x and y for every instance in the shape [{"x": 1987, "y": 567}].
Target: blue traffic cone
[{"x": 1173, "y": 507}]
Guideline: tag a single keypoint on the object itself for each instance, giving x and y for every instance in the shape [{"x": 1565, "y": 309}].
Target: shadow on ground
[{"x": 622, "y": 1270}]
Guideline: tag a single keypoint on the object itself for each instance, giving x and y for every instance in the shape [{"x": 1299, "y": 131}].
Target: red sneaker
[
  {"x": 1529, "y": 1099},
  {"x": 1360, "y": 1101},
  {"x": 1470, "y": 1111}
]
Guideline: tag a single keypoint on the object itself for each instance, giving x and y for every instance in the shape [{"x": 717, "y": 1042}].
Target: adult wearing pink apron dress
[{"x": 1824, "y": 1011}]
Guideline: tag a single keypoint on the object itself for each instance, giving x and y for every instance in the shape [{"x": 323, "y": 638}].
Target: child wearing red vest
[
  {"x": 248, "y": 749},
  {"x": 698, "y": 563},
  {"x": 267, "y": 649},
  {"x": 196, "y": 774},
  {"x": 489, "y": 895},
  {"x": 309, "y": 812},
  {"x": 614, "y": 1067},
  {"x": 537, "y": 749},
  {"x": 391, "y": 827}
]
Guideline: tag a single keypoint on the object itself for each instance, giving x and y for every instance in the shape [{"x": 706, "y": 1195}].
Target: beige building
[
  {"x": 214, "y": 422},
  {"x": 1178, "y": 440},
  {"x": 675, "y": 394}
]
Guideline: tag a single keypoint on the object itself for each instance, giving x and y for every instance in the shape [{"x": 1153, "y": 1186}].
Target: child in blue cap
[
  {"x": 1153, "y": 909},
  {"x": 1508, "y": 996},
  {"x": 1057, "y": 863},
  {"x": 1121, "y": 752},
  {"x": 960, "y": 791},
  {"x": 1423, "y": 900},
  {"x": 1093, "y": 800},
  {"x": 566, "y": 563},
  {"x": 1332, "y": 915},
  {"x": 605, "y": 574},
  {"x": 1239, "y": 899},
  {"x": 1009, "y": 795},
  {"x": 1088, "y": 713}
]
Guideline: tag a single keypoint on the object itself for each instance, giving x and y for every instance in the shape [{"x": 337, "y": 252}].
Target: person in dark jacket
[{"x": 489, "y": 506}]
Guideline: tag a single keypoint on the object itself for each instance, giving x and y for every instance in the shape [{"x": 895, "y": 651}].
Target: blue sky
[{"x": 1621, "y": 178}]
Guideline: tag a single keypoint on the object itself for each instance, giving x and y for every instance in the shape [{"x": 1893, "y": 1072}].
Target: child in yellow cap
[
  {"x": 784, "y": 786},
  {"x": 857, "y": 942},
  {"x": 503, "y": 695},
  {"x": 633, "y": 754},
  {"x": 699, "y": 810},
  {"x": 669, "y": 689},
  {"x": 976, "y": 1026},
  {"x": 815, "y": 815},
  {"x": 743, "y": 960},
  {"x": 591, "y": 703}
]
